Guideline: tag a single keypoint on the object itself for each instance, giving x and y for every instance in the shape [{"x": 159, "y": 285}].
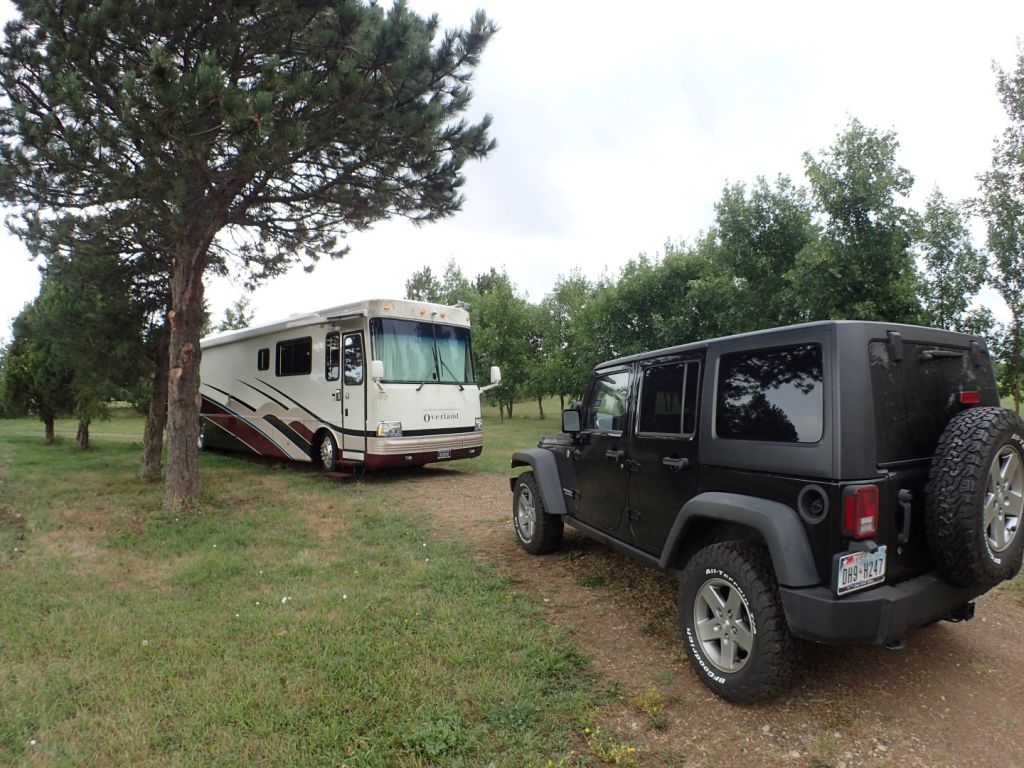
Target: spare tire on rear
[{"x": 975, "y": 497}]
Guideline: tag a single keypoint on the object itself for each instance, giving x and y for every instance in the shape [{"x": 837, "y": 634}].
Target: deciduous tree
[
  {"x": 1002, "y": 205},
  {"x": 954, "y": 270},
  {"x": 863, "y": 266}
]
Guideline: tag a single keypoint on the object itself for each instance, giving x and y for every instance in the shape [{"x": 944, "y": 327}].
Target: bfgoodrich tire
[
  {"x": 538, "y": 532},
  {"x": 976, "y": 497},
  {"x": 733, "y": 625}
]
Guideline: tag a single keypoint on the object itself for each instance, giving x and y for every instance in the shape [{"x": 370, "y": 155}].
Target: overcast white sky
[{"x": 618, "y": 126}]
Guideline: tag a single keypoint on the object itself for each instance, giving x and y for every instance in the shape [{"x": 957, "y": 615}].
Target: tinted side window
[
  {"x": 353, "y": 360},
  {"x": 295, "y": 357},
  {"x": 668, "y": 399},
  {"x": 332, "y": 350},
  {"x": 775, "y": 395},
  {"x": 609, "y": 399},
  {"x": 263, "y": 359}
]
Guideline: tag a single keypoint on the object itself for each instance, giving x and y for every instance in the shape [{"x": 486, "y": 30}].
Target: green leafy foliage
[
  {"x": 1001, "y": 203},
  {"x": 79, "y": 344},
  {"x": 954, "y": 270},
  {"x": 862, "y": 267},
  {"x": 237, "y": 316}
]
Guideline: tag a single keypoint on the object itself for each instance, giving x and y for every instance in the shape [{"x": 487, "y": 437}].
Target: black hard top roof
[{"x": 869, "y": 327}]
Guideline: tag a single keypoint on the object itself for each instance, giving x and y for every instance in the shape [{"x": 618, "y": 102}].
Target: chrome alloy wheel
[
  {"x": 327, "y": 453},
  {"x": 526, "y": 513},
  {"x": 722, "y": 621},
  {"x": 1004, "y": 499}
]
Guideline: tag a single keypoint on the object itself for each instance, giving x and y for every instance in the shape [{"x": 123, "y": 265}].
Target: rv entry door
[{"x": 353, "y": 397}]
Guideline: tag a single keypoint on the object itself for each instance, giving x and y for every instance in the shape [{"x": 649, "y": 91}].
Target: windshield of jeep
[{"x": 915, "y": 397}]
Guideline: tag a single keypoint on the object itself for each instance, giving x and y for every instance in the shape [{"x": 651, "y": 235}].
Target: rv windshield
[{"x": 415, "y": 352}]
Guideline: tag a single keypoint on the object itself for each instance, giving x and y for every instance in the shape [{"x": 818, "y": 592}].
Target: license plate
[
  {"x": 444, "y": 453},
  {"x": 858, "y": 570}
]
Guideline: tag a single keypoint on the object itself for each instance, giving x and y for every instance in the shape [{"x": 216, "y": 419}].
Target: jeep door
[
  {"x": 601, "y": 451},
  {"x": 663, "y": 449}
]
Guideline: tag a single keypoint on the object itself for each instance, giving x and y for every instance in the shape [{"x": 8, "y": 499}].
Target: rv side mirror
[
  {"x": 495, "y": 374},
  {"x": 376, "y": 370},
  {"x": 571, "y": 421}
]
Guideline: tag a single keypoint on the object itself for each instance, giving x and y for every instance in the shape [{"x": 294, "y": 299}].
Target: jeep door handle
[
  {"x": 675, "y": 464},
  {"x": 614, "y": 454}
]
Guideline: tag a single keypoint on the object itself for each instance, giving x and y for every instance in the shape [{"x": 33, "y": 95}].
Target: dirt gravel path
[{"x": 953, "y": 698}]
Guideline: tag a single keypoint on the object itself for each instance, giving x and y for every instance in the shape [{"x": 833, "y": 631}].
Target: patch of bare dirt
[{"x": 954, "y": 698}]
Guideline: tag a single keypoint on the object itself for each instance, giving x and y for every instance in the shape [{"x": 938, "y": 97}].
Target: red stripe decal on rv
[
  {"x": 301, "y": 429},
  {"x": 241, "y": 430}
]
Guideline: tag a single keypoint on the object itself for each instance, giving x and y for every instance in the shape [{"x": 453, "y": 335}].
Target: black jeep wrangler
[{"x": 840, "y": 482}]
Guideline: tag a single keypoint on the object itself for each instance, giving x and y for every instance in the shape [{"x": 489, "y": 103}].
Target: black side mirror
[{"x": 571, "y": 421}]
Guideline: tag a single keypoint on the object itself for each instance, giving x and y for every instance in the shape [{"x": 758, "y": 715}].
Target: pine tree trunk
[
  {"x": 156, "y": 418},
  {"x": 510, "y": 409},
  {"x": 540, "y": 406},
  {"x": 82, "y": 436},
  {"x": 48, "y": 427},
  {"x": 186, "y": 321},
  {"x": 561, "y": 402}
]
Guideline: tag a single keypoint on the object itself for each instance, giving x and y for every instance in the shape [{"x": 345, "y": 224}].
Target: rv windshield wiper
[
  {"x": 931, "y": 354},
  {"x": 445, "y": 366}
]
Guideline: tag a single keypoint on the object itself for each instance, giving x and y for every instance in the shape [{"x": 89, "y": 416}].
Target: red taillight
[
  {"x": 860, "y": 511},
  {"x": 970, "y": 397}
]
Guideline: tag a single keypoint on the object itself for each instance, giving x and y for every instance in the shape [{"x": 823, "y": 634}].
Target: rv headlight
[
  {"x": 389, "y": 429},
  {"x": 478, "y": 425}
]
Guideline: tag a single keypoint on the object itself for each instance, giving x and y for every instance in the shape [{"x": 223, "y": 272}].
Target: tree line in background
[
  {"x": 846, "y": 246},
  {"x": 133, "y": 148}
]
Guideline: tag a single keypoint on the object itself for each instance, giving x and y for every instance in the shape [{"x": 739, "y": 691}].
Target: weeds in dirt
[
  {"x": 652, "y": 704},
  {"x": 607, "y": 749}
]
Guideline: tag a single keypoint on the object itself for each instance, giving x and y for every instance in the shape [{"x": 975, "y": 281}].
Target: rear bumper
[{"x": 875, "y": 616}]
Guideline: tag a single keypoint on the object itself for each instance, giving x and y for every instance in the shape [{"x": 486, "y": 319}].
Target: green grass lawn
[{"x": 287, "y": 620}]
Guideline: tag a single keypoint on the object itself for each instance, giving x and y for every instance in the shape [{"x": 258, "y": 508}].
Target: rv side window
[
  {"x": 295, "y": 357},
  {"x": 354, "y": 360},
  {"x": 263, "y": 359},
  {"x": 332, "y": 346}
]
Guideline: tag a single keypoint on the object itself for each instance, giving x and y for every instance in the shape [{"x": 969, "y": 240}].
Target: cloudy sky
[{"x": 618, "y": 126}]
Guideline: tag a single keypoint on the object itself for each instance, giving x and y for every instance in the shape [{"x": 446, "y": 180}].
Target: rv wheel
[{"x": 328, "y": 452}]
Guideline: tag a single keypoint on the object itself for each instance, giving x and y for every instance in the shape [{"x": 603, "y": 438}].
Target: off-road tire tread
[
  {"x": 778, "y": 660},
  {"x": 548, "y": 530},
  {"x": 957, "y": 482}
]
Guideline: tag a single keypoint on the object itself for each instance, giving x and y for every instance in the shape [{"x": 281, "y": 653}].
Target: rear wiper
[{"x": 931, "y": 354}]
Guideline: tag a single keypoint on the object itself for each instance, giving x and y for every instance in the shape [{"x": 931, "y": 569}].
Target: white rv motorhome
[{"x": 376, "y": 384}]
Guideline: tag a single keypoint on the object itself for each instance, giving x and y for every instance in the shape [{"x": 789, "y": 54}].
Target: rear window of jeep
[
  {"x": 774, "y": 395},
  {"x": 916, "y": 396}
]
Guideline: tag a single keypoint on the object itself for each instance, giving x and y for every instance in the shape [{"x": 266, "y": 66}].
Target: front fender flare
[
  {"x": 545, "y": 470},
  {"x": 781, "y": 527}
]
